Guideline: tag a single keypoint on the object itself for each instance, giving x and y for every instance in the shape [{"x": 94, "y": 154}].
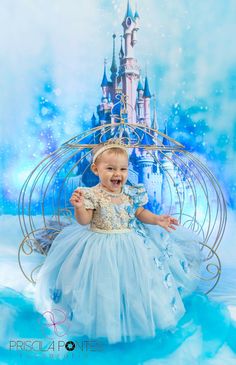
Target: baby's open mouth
[{"x": 116, "y": 182}]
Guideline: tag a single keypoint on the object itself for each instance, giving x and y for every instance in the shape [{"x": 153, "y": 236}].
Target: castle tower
[
  {"x": 154, "y": 119},
  {"x": 140, "y": 103},
  {"x": 93, "y": 121},
  {"x": 129, "y": 70},
  {"x": 121, "y": 56},
  {"x": 104, "y": 108},
  {"x": 147, "y": 98},
  {"x": 113, "y": 70},
  {"x": 105, "y": 83},
  {"x": 127, "y": 78}
]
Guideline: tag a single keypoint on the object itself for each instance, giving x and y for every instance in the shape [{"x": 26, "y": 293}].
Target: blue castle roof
[
  {"x": 129, "y": 12},
  {"x": 105, "y": 81},
  {"x": 147, "y": 140},
  {"x": 140, "y": 86},
  {"x": 166, "y": 141},
  {"x": 113, "y": 65},
  {"x": 136, "y": 14},
  {"x": 146, "y": 93}
]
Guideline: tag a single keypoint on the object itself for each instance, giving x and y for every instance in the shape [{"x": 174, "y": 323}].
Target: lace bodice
[{"x": 109, "y": 215}]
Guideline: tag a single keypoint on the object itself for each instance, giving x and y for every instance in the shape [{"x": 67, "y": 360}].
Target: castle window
[{"x": 148, "y": 175}]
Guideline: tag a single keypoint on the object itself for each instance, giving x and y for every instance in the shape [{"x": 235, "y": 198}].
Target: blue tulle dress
[
  {"x": 119, "y": 279},
  {"x": 117, "y": 292}
]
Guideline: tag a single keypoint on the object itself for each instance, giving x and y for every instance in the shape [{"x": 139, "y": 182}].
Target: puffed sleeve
[
  {"x": 138, "y": 194},
  {"x": 90, "y": 201},
  {"x": 141, "y": 197}
]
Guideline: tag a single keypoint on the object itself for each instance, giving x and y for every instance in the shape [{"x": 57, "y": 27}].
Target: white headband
[{"x": 107, "y": 147}]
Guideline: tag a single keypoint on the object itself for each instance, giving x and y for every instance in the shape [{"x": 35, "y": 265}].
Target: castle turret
[
  {"x": 147, "y": 97},
  {"x": 93, "y": 121},
  {"x": 113, "y": 69},
  {"x": 154, "y": 119},
  {"x": 121, "y": 53},
  {"x": 104, "y": 109},
  {"x": 166, "y": 141},
  {"x": 140, "y": 103},
  {"x": 140, "y": 89},
  {"x": 128, "y": 25},
  {"x": 105, "y": 83},
  {"x": 121, "y": 57},
  {"x": 136, "y": 15},
  {"x": 136, "y": 27}
]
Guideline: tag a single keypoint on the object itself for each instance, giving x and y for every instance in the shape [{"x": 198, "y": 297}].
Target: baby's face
[{"x": 112, "y": 170}]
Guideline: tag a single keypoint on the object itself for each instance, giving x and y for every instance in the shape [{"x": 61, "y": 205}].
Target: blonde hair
[{"x": 116, "y": 150}]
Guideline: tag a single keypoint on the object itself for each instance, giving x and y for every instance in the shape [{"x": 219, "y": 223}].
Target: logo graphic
[
  {"x": 55, "y": 318},
  {"x": 70, "y": 346}
]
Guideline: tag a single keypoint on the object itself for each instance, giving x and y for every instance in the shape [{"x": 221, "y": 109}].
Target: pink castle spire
[
  {"x": 127, "y": 79},
  {"x": 129, "y": 70}
]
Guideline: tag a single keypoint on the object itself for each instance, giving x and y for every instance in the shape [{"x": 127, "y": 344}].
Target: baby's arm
[
  {"x": 165, "y": 221},
  {"x": 82, "y": 215}
]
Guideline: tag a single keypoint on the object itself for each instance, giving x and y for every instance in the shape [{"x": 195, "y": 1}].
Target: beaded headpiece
[{"x": 111, "y": 143}]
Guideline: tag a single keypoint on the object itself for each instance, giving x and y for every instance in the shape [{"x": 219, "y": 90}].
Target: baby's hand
[
  {"x": 167, "y": 222},
  {"x": 77, "y": 198}
]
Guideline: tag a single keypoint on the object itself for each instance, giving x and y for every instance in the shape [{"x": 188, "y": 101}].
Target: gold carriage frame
[{"x": 200, "y": 179}]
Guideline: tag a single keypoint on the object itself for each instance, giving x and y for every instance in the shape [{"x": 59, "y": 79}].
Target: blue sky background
[{"x": 51, "y": 64}]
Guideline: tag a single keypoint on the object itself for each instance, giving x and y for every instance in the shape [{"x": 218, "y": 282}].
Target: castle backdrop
[{"x": 52, "y": 68}]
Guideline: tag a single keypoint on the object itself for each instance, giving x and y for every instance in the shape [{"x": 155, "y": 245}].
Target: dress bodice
[{"x": 110, "y": 216}]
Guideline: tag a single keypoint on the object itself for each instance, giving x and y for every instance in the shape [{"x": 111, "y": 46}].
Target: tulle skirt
[
  {"x": 119, "y": 287},
  {"x": 117, "y": 298}
]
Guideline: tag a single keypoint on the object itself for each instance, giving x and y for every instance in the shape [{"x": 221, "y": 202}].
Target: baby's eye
[{"x": 109, "y": 168}]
